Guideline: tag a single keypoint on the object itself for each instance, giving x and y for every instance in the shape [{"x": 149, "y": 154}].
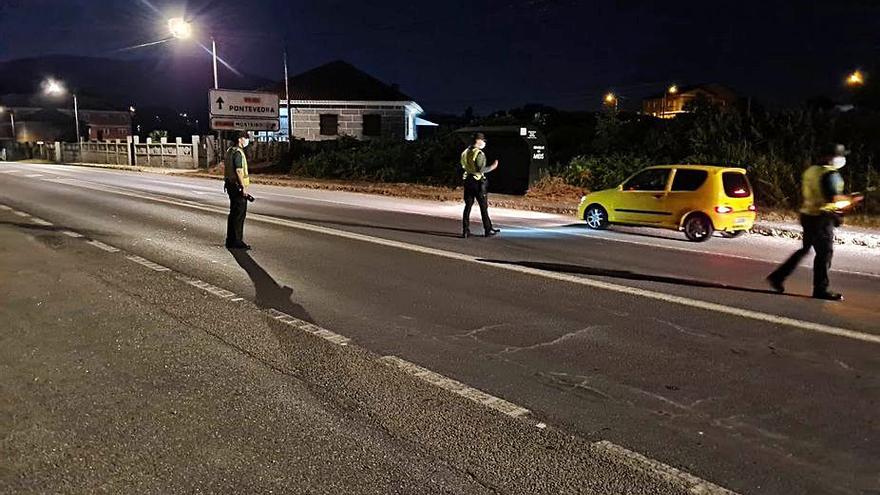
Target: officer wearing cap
[
  {"x": 824, "y": 205},
  {"x": 236, "y": 182},
  {"x": 473, "y": 161}
]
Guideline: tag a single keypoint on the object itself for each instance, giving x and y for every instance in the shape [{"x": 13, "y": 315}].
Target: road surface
[{"x": 672, "y": 349}]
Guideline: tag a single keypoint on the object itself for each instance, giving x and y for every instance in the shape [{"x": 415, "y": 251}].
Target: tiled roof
[{"x": 339, "y": 81}]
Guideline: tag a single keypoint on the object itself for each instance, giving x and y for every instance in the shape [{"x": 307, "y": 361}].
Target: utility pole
[
  {"x": 287, "y": 99},
  {"x": 76, "y": 119},
  {"x": 214, "y": 55}
]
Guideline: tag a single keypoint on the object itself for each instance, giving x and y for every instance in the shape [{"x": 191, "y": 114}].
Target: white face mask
[
  {"x": 480, "y": 145},
  {"x": 245, "y": 143},
  {"x": 838, "y": 162}
]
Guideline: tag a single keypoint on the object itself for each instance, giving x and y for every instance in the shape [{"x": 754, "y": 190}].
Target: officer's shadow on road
[
  {"x": 628, "y": 275},
  {"x": 269, "y": 294}
]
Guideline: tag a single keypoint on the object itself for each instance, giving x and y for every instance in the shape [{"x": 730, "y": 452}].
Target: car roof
[{"x": 702, "y": 167}]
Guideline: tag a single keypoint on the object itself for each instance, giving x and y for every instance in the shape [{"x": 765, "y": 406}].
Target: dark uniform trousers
[
  {"x": 818, "y": 235},
  {"x": 237, "y": 212},
  {"x": 479, "y": 190}
]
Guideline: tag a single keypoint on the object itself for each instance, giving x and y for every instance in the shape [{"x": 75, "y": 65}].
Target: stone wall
[{"x": 307, "y": 122}]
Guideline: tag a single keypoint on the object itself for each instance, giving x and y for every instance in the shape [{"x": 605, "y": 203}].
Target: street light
[
  {"x": 180, "y": 28},
  {"x": 11, "y": 121},
  {"x": 53, "y": 87},
  {"x": 611, "y": 100},
  {"x": 855, "y": 79},
  {"x": 672, "y": 90}
]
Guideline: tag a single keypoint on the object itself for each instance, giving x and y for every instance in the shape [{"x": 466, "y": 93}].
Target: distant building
[
  {"x": 673, "y": 103},
  {"x": 40, "y": 118},
  {"x": 337, "y": 99}
]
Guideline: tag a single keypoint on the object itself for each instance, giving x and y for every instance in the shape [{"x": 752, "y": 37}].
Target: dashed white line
[
  {"x": 456, "y": 387},
  {"x": 21, "y": 213},
  {"x": 9, "y": 171},
  {"x": 205, "y": 286},
  {"x": 309, "y": 327},
  {"x": 40, "y": 221},
  {"x": 31, "y": 176},
  {"x": 70, "y": 233},
  {"x": 147, "y": 263},
  {"x": 5, "y": 208},
  {"x": 695, "y": 485},
  {"x": 105, "y": 247}
]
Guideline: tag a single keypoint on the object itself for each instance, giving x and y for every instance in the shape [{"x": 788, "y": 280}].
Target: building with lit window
[
  {"x": 40, "y": 118},
  {"x": 677, "y": 99},
  {"x": 337, "y": 99}
]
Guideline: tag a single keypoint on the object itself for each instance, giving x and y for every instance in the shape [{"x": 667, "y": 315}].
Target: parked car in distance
[{"x": 696, "y": 199}]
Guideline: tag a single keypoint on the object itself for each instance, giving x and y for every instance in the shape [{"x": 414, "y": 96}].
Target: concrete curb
[{"x": 129, "y": 168}]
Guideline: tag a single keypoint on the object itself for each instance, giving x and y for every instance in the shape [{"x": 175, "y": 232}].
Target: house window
[
  {"x": 329, "y": 124},
  {"x": 372, "y": 125}
]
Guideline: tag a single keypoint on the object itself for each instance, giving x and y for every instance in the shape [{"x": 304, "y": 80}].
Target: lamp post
[
  {"x": 55, "y": 88},
  {"x": 182, "y": 29},
  {"x": 11, "y": 121}
]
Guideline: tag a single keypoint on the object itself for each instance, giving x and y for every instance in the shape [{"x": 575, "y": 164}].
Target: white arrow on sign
[{"x": 243, "y": 104}]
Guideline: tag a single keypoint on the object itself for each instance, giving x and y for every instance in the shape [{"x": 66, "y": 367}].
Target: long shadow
[
  {"x": 269, "y": 293},
  {"x": 628, "y": 275},
  {"x": 637, "y": 234},
  {"x": 435, "y": 233}
]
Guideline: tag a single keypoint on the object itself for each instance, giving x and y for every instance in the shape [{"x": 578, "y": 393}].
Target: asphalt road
[{"x": 672, "y": 349}]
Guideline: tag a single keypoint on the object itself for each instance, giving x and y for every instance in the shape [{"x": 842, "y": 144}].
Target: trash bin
[{"x": 521, "y": 150}]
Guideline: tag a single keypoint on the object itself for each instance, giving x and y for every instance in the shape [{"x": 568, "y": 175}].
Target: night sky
[{"x": 490, "y": 54}]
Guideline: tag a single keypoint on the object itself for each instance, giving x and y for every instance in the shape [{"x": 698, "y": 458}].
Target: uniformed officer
[
  {"x": 473, "y": 161},
  {"x": 236, "y": 182},
  {"x": 823, "y": 207}
]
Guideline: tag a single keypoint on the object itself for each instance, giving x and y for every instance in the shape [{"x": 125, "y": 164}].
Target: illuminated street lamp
[
  {"x": 53, "y": 87},
  {"x": 673, "y": 89},
  {"x": 11, "y": 121},
  {"x": 180, "y": 28},
  {"x": 611, "y": 100},
  {"x": 855, "y": 79}
]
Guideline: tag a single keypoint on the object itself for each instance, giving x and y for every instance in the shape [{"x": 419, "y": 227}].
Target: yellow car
[{"x": 697, "y": 199}]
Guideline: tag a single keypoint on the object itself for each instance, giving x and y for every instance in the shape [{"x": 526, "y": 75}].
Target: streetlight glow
[
  {"x": 610, "y": 98},
  {"x": 53, "y": 87},
  {"x": 179, "y": 28},
  {"x": 673, "y": 89},
  {"x": 855, "y": 79}
]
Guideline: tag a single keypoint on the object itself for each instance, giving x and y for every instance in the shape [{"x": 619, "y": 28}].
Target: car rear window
[
  {"x": 688, "y": 180},
  {"x": 736, "y": 185}
]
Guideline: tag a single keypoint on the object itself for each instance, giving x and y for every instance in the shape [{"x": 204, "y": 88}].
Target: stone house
[{"x": 337, "y": 99}]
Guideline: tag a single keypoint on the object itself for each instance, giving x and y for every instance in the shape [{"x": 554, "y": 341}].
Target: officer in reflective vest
[
  {"x": 824, "y": 205},
  {"x": 473, "y": 161},
  {"x": 236, "y": 182}
]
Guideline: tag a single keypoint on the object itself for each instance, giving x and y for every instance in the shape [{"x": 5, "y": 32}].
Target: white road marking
[
  {"x": 147, "y": 263},
  {"x": 21, "y": 213},
  {"x": 105, "y": 247},
  {"x": 598, "y": 284},
  {"x": 205, "y": 286},
  {"x": 31, "y": 176},
  {"x": 456, "y": 387},
  {"x": 5, "y": 208},
  {"x": 11, "y": 171},
  {"x": 694, "y": 484},
  {"x": 40, "y": 221},
  {"x": 309, "y": 327},
  {"x": 70, "y": 233}
]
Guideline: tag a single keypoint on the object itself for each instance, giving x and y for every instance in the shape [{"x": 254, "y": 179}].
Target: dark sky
[{"x": 490, "y": 54}]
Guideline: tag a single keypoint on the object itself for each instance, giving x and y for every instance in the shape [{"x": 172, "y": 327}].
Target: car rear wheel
[
  {"x": 698, "y": 228},
  {"x": 596, "y": 217},
  {"x": 733, "y": 235}
]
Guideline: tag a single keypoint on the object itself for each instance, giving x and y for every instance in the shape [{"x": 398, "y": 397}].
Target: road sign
[
  {"x": 243, "y": 104},
  {"x": 243, "y": 124}
]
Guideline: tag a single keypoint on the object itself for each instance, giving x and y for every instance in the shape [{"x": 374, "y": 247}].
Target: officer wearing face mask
[
  {"x": 824, "y": 205},
  {"x": 236, "y": 182}
]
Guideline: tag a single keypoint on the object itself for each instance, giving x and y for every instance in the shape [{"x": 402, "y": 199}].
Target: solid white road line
[{"x": 597, "y": 284}]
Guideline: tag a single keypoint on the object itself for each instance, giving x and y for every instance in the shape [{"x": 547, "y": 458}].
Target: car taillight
[
  {"x": 752, "y": 208},
  {"x": 723, "y": 209}
]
